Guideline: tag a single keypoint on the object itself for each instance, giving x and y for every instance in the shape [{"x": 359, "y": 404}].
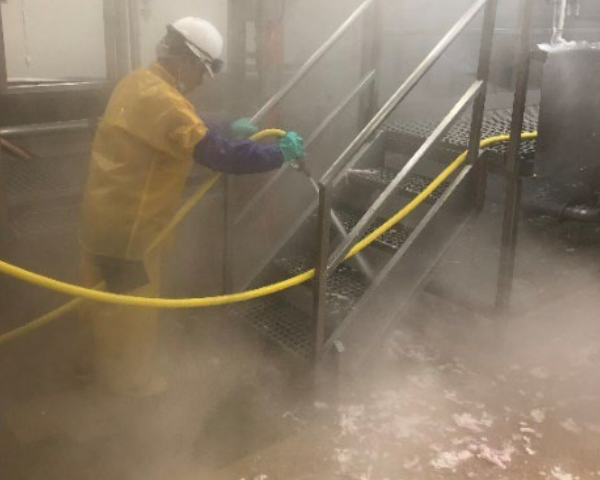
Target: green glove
[
  {"x": 242, "y": 129},
  {"x": 292, "y": 147}
]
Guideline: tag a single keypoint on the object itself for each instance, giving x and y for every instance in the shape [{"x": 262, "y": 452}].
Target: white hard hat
[{"x": 203, "y": 39}]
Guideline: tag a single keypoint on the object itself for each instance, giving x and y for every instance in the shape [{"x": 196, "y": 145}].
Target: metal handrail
[
  {"x": 407, "y": 87},
  {"x": 422, "y": 152},
  {"x": 326, "y": 263},
  {"x": 46, "y": 128},
  {"x": 311, "y": 62},
  {"x": 318, "y": 131}
]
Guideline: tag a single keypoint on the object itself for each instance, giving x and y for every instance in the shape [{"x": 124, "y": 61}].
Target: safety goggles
[{"x": 213, "y": 65}]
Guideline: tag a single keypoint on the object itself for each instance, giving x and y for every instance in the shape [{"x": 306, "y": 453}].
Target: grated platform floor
[
  {"x": 44, "y": 179},
  {"x": 381, "y": 177},
  {"x": 279, "y": 322},
  {"x": 496, "y": 122},
  {"x": 344, "y": 288}
]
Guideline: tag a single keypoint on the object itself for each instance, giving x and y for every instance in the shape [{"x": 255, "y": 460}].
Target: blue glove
[
  {"x": 292, "y": 147},
  {"x": 242, "y": 129}
]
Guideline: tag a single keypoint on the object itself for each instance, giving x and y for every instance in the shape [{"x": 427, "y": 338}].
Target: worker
[{"x": 145, "y": 146}]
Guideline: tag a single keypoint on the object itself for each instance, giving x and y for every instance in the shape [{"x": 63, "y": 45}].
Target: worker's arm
[{"x": 237, "y": 157}]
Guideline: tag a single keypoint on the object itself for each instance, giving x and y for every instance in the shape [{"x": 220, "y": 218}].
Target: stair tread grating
[
  {"x": 496, "y": 122},
  {"x": 278, "y": 321},
  {"x": 344, "y": 287},
  {"x": 44, "y": 178},
  {"x": 413, "y": 185},
  {"x": 394, "y": 238}
]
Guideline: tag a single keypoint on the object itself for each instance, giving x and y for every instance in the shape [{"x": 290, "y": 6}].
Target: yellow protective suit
[{"x": 141, "y": 157}]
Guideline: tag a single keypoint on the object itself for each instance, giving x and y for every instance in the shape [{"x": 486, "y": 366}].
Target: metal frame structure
[
  {"x": 370, "y": 26},
  {"x": 123, "y": 52},
  {"x": 326, "y": 263},
  {"x": 370, "y": 13},
  {"x": 513, "y": 169}
]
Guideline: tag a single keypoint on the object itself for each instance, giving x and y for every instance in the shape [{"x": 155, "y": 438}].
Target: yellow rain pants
[{"x": 140, "y": 160}]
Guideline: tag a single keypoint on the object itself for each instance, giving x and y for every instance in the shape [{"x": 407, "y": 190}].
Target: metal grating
[
  {"x": 279, "y": 322},
  {"x": 382, "y": 176},
  {"x": 344, "y": 287},
  {"x": 393, "y": 239},
  {"x": 41, "y": 222},
  {"x": 496, "y": 122},
  {"x": 45, "y": 178}
]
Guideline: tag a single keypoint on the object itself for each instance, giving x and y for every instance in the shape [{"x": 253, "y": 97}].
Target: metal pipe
[
  {"x": 58, "y": 87},
  {"x": 313, "y": 137},
  {"x": 560, "y": 16},
  {"x": 512, "y": 205},
  {"x": 135, "y": 34},
  {"x": 123, "y": 50},
  {"x": 3, "y": 68},
  {"x": 45, "y": 128},
  {"x": 110, "y": 40},
  {"x": 374, "y": 209},
  {"x": 311, "y": 62},
  {"x": 402, "y": 92}
]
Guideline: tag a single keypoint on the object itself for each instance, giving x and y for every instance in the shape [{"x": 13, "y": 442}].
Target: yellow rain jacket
[{"x": 141, "y": 158}]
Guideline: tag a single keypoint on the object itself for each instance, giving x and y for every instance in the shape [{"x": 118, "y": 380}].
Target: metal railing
[
  {"x": 367, "y": 81},
  {"x": 314, "y": 136},
  {"x": 312, "y": 61},
  {"x": 326, "y": 263}
]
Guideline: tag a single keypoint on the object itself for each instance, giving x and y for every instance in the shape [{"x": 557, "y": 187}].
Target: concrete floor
[{"x": 447, "y": 395}]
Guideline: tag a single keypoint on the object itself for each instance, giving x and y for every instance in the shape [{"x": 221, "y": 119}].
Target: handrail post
[
  {"x": 513, "y": 165},
  {"x": 321, "y": 275},
  {"x": 370, "y": 56},
  {"x": 483, "y": 74}
]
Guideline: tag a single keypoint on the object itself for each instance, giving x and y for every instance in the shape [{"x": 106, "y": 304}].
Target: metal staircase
[{"x": 340, "y": 312}]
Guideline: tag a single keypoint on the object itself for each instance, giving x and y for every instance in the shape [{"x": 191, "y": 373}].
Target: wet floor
[
  {"x": 455, "y": 393},
  {"x": 452, "y": 392}
]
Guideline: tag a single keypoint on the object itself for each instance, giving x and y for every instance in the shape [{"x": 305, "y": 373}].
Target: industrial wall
[{"x": 67, "y": 40}]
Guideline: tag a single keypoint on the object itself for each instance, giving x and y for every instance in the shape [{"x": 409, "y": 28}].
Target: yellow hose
[
  {"x": 181, "y": 214},
  {"x": 166, "y": 303}
]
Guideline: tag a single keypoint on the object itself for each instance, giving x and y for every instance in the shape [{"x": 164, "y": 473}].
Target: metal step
[
  {"x": 381, "y": 177},
  {"x": 390, "y": 241},
  {"x": 279, "y": 322},
  {"x": 407, "y": 137},
  {"x": 344, "y": 289}
]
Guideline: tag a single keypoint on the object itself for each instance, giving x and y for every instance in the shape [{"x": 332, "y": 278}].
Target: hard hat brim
[{"x": 202, "y": 57}]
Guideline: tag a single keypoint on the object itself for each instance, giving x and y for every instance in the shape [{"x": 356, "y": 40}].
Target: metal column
[
  {"x": 512, "y": 205},
  {"x": 321, "y": 274},
  {"x": 135, "y": 41},
  {"x": 483, "y": 73},
  {"x": 371, "y": 52},
  {"x": 3, "y": 67},
  {"x": 237, "y": 53}
]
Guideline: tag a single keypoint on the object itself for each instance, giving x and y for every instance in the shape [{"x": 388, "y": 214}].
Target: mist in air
[{"x": 452, "y": 389}]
